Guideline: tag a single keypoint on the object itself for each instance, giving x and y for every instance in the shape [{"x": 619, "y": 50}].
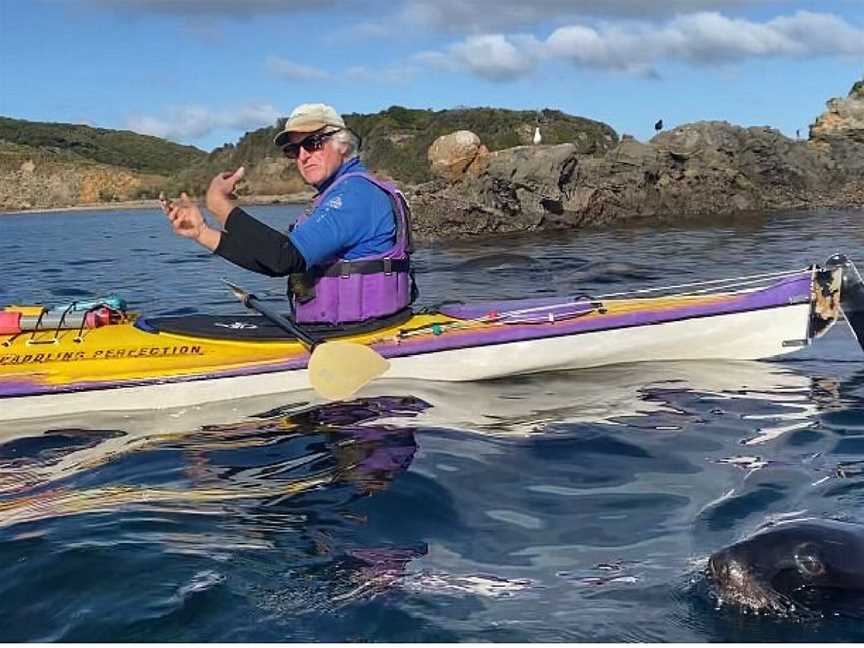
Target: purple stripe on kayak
[
  {"x": 17, "y": 387},
  {"x": 794, "y": 290}
]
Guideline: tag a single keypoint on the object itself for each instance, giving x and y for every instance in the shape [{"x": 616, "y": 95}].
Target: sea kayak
[{"x": 127, "y": 361}]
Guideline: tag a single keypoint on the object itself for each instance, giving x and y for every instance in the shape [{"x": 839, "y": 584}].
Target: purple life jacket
[{"x": 374, "y": 286}]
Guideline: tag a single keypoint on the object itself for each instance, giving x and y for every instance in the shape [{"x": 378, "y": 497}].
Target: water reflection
[
  {"x": 645, "y": 394},
  {"x": 267, "y": 458}
]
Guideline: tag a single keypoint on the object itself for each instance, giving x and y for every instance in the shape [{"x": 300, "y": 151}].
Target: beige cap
[{"x": 308, "y": 118}]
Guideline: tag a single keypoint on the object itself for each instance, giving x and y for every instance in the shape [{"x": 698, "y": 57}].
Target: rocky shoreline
[
  {"x": 280, "y": 199},
  {"x": 714, "y": 169}
]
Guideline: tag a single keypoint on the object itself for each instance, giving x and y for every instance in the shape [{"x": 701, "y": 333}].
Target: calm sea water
[{"x": 566, "y": 507}]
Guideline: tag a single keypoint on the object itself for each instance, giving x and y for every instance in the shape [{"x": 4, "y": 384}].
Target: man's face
[{"x": 317, "y": 166}]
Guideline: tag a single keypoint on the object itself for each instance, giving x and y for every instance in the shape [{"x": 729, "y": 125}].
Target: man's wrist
[
  {"x": 220, "y": 208},
  {"x": 209, "y": 238}
]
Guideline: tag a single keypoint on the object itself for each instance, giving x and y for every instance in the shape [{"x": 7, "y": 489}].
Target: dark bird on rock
[{"x": 659, "y": 125}]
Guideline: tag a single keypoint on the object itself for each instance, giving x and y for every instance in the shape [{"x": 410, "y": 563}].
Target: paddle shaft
[{"x": 252, "y": 302}]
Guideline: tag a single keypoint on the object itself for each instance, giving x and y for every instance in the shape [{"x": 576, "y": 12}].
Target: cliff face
[
  {"x": 843, "y": 117},
  {"x": 62, "y": 165},
  {"x": 40, "y": 182},
  {"x": 839, "y": 131}
]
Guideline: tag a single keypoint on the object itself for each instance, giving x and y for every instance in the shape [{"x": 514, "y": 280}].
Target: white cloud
[
  {"x": 631, "y": 50},
  {"x": 826, "y": 34},
  {"x": 285, "y": 69},
  {"x": 484, "y": 15},
  {"x": 187, "y": 123},
  {"x": 490, "y": 56},
  {"x": 706, "y": 38}
]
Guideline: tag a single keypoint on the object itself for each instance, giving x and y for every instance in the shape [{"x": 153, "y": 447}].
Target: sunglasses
[{"x": 314, "y": 142}]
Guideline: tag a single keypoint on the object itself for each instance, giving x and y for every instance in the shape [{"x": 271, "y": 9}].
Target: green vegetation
[
  {"x": 114, "y": 147},
  {"x": 397, "y": 139},
  {"x": 12, "y": 155}
]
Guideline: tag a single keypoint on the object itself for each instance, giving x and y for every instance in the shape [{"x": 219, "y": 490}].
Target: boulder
[
  {"x": 451, "y": 155},
  {"x": 480, "y": 163}
]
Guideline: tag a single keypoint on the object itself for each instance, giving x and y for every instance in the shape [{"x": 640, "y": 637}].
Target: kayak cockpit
[{"x": 258, "y": 328}]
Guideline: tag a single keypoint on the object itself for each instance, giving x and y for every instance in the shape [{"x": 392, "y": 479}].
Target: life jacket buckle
[
  {"x": 346, "y": 269},
  {"x": 388, "y": 266}
]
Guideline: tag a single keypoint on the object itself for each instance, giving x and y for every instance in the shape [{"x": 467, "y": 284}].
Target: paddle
[{"x": 337, "y": 369}]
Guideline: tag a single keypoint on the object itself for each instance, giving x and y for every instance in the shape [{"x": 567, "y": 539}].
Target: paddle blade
[{"x": 338, "y": 369}]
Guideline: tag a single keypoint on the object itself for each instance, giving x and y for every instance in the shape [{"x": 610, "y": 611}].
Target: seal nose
[
  {"x": 718, "y": 566},
  {"x": 713, "y": 566}
]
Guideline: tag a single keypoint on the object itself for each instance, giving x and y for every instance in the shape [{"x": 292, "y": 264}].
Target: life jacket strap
[{"x": 372, "y": 266}]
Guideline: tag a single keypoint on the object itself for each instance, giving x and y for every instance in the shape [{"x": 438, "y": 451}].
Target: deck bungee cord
[
  {"x": 716, "y": 284},
  {"x": 35, "y": 320}
]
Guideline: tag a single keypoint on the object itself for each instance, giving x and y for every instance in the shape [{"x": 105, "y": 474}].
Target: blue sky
[{"x": 203, "y": 72}]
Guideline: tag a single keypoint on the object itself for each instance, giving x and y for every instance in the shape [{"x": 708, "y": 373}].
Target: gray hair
[{"x": 350, "y": 140}]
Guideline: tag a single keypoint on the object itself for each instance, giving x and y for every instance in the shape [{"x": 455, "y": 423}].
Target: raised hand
[
  {"x": 220, "y": 198},
  {"x": 185, "y": 217}
]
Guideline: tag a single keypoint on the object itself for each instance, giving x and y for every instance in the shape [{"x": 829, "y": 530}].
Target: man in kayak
[{"x": 348, "y": 256}]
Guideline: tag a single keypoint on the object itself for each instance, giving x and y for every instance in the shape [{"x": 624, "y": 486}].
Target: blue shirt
[{"x": 354, "y": 220}]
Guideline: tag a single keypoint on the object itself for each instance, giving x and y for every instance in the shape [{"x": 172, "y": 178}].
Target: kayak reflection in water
[
  {"x": 263, "y": 461},
  {"x": 279, "y": 502}
]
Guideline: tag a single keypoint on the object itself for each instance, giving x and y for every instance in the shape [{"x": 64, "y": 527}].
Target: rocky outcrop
[
  {"x": 515, "y": 193},
  {"x": 839, "y": 131},
  {"x": 843, "y": 117},
  {"x": 705, "y": 168}
]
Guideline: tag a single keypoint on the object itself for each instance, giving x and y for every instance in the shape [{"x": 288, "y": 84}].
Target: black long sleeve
[{"x": 250, "y": 244}]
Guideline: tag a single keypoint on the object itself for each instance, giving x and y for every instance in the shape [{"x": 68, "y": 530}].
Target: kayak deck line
[
  {"x": 611, "y": 313},
  {"x": 134, "y": 364},
  {"x": 715, "y": 284}
]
